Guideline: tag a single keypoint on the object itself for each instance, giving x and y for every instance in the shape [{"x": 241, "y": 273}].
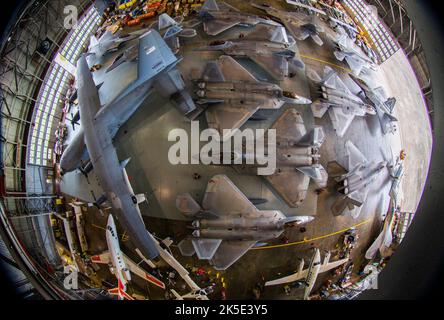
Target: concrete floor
[{"x": 144, "y": 139}]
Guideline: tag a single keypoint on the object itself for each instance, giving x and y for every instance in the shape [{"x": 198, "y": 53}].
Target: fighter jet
[
  {"x": 311, "y": 273},
  {"x": 355, "y": 183},
  {"x": 354, "y": 57},
  {"x": 232, "y": 95},
  {"x": 108, "y": 42},
  {"x": 383, "y": 106},
  {"x": 335, "y": 17},
  {"x": 299, "y": 25},
  {"x": 156, "y": 69},
  {"x": 336, "y": 97},
  {"x": 120, "y": 264},
  {"x": 100, "y": 124},
  {"x": 218, "y": 17},
  {"x": 265, "y": 45},
  {"x": 297, "y": 158},
  {"x": 227, "y": 224},
  {"x": 169, "y": 28}
]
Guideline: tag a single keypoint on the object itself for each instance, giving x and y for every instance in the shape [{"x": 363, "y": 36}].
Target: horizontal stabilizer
[
  {"x": 120, "y": 293},
  {"x": 186, "y": 204},
  {"x": 390, "y": 104},
  {"x": 319, "y": 108},
  {"x": 206, "y": 248},
  {"x": 317, "y": 173},
  {"x": 339, "y": 55},
  {"x": 123, "y": 163},
  {"x": 210, "y": 5},
  {"x": 315, "y": 137},
  {"x": 186, "y": 248}
]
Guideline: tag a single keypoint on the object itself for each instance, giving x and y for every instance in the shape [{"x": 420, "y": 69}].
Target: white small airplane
[
  {"x": 195, "y": 294},
  {"x": 311, "y": 273},
  {"x": 120, "y": 265}
]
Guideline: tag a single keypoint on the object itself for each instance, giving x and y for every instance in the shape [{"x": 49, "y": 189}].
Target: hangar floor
[{"x": 144, "y": 139}]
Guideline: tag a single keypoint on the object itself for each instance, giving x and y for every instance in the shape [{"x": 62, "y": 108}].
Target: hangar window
[
  {"x": 368, "y": 19},
  {"x": 49, "y": 98}
]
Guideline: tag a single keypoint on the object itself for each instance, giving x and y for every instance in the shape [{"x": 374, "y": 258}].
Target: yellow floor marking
[
  {"x": 99, "y": 227},
  {"x": 125, "y": 237},
  {"x": 326, "y": 62},
  {"x": 313, "y": 239}
]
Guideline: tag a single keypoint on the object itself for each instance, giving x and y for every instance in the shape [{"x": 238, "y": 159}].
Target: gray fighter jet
[
  {"x": 353, "y": 55},
  {"x": 355, "y": 183},
  {"x": 169, "y": 28},
  {"x": 218, "y": 17},
  {"x": 265, "y": 45},
  {"x": 227, "y": 224},
  {"x": 156, "y": 69},
  {"x": 383, "y": 106},
  {"x": 108, "y": 42},
  {"x": 100, "y": 124},
  {"x": 232, "y": 94},
  {"x": 299, "y": 25},
  {"x": 297, "y": 158},
  {"x": 336, "y": 97}
]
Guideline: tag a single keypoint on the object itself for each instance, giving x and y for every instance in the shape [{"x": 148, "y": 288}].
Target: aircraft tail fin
[
  {"x": 154, "y": 56},
  {"x": 209, "y": 5},
  {"x": 339, "y": 55},
  {"x": 93, "y": 42},
  {"x": 315, "y": 137},
  {"x": 186, "y": 204},
  {"x": 120, "y": 293},
  {"x": 319, "y": 108},
  {"x": 390, "y": 104},
  {"x": 165, "y": 21}
]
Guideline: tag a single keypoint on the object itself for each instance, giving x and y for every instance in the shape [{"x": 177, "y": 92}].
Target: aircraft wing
[
  {"x": 290, "y": 126},
  {"x": 214, "y": 27},
  {"x": 317, "y": 39},
  {"x": 134, "y": 268},
  {"x": 275, "y": 65},
  {"x": 302, "y": 274},
  {"x": 223, "y": 197},
  {"x": 229, "y": 115},
  {"x": 291, "y": 184},
  {"x": 332, "y": 80},
  {"x": 270, "y": 33},
  {"x": 229, "y": 252},
  {"x": 331, "y": 265},
  {"x": 103, "y": 258},
  {"x": 340, "y": 119},
  {"x": 154, "y": 55},
  {"x": 232, "y": 70},
  {"x": 298, "y": 32},
  {"x": 355, "y": 64},
  {"x": 355, "y": 157}
]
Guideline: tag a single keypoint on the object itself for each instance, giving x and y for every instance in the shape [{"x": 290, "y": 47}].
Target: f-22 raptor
[
  {"x": 265, "y": 45},
  {"x": 337, "y": 98},
  {"x": 297, "y": 158},
  {"x": 232, "y": 95},
  {"x": 156, "y": 68},
  {"x": 218, "y": 17},
  {"x": 299, "y": 25},
  {"x": 227, "y": 224},
  {"x": 355, "y": 183}
]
